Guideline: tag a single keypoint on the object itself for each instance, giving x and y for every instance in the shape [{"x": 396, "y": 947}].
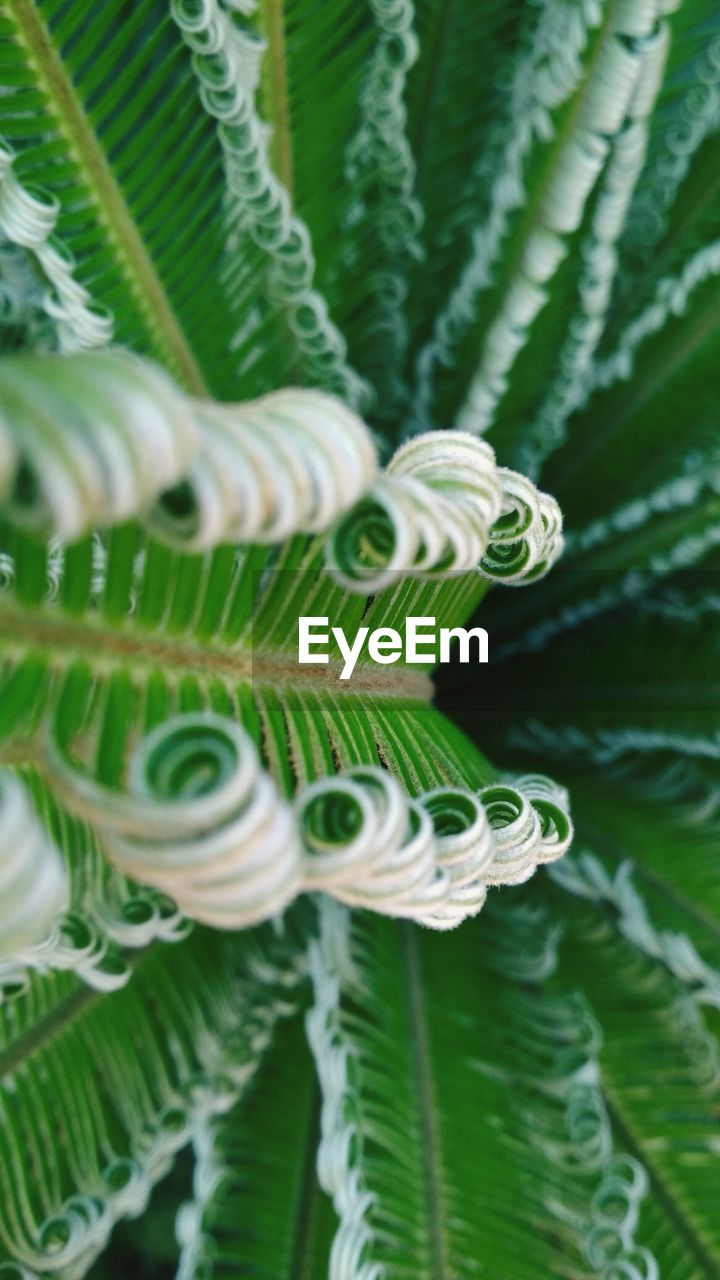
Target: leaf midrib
[
  {"x": 45, "y": 1030},
  {"x": 57, "y": 1020},
  {"x": 110, "y": 203},
  {"x": 430, "y": 1154},
  {"x": 275, "y": 89},
  {"x": 659, "y": 1189},
  {"x": 305, "y": 1219},
  {"x": 65, "y": 639}
]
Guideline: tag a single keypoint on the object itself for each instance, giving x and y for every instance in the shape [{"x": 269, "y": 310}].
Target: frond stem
[
  {"x": 65, "y": 639},
  {"x": 109, "y": 201}
]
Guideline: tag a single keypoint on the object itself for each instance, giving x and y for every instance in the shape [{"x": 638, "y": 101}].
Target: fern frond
[
  {"x": 434, "y": 1206},
  {"x": 257, "y": 1159},
  {"x": 544, "y": 77},
  {"x": 600, "y": 257},
  {"x": 157, "y": 1053},
  {"x": 226, "y": 62},
  {"x": 660, "y": 1018},
  {"x": 380, "y": 173},
  {"x": 135, "y": 186},
  {"x": 586, "y": 877}
]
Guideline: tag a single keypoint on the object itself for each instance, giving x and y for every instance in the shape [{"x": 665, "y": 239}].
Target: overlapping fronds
[
  {"x": 168, "y": 1053},
  {"x": 359, "y": 311},
  {"x": 554, "y": 1163}
]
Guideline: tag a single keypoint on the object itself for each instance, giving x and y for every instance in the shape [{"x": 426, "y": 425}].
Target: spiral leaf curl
[
  {"x": 28, "y": 216},
  {"x": 338, "y": 1159},
  {"x": 428, "y": 859},
  {"x": 562, "y": 1117},
  {"x": 33, "y": 885},
  {"x": 613, "y": 93},
  {"x": 544, "y": 78},
  {"x": 672, "y": 297},
  {"x": 96, "y": 438},
  {"x": 443, "y": 507},
  {"x": 202, "y": 822},
  {"x": 89, "y": 941},
  {"x": 289, "y": 462},
  {"x": 551, "y": 803},
  {"x": 172, "y": 1109},
  {"x": 380, "y": 171},
  {"x": 600, "y": 254},
  {"x": 226, "y": 62},
  {"x": 73, "y": 944},
  {"x": 243, "y": 1050},
  {"x": 526, "y": 539},
  {"x": 429, "y": 515},
  {"x": 531, "y": 823},
  {"x": 103, "y": 916},
  {"x": 586, "y": 877},
  {"x": 697, "y": 117},
  {"x": 76, "y": 434},
  {"x": 79, "y": 433}
]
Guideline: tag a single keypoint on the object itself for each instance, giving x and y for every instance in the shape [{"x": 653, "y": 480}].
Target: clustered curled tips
[
  {"x": 97, "y": 438},
  {"x": 70, "y": 943},
  {"x": 339, "y": 1155},
  {"x": 202, "y": 822},
  {"x": 380, "y": 174},
  {"x": 169, "y": 1112},
  {"x": 60, "y": 310},
  {"x": 89, "y": 943},
  {"x": 526, "y": 539},
  {"x": 429, "y": 515},
  {"x": 610, "y": 1246},
  {"x": 586, "y": 877},
  {"x": 564, "y": 1031},
  {"x": 530, "y": 818},
  {"x": 371, "y": 846},
  {"x": 87, "y": 440},
  {"x": 226, "y": 61},
  {"x": 577, "y": 366},
  {"x": 290, "y": 462},
  {"x": 93, "y": 439},
  {"x": 98, "y": 916},
  {"x": 443, "y": 507},
  {"x": 33, "y": 884},
  {"x": 544, "y": 77}
]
